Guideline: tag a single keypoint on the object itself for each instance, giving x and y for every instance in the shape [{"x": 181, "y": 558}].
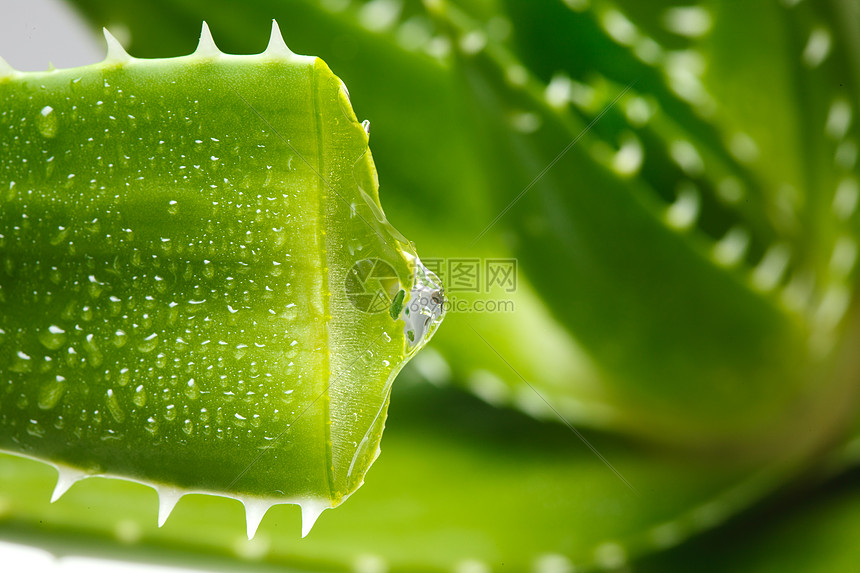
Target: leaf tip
[
  {"x": 277, "y": 46},
  {"x": 206, "y": 47},
  {"x": 115, "y": 52}
]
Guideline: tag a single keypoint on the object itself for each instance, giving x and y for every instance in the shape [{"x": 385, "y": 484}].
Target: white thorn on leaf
[
  {"x": 255, "y": 509},
  {"x": 206, "y": 48},
  {"x": 770, "y": 270},
  {"x": 277, "y": 46},
  {"x": 115, "y": 51},
  {"x": 818, "y": 47},
  {"x": 311, "y": 510},
  {"x": 683, "y": 213},
  {"x": 167, "y": 500},
  {"x": 66, "y": 478}
]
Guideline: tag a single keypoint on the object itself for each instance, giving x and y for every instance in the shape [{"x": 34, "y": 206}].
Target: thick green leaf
[
  {"x": 764, "y": 235},
  {"x": 434, "y": 179},
  {"x": 190, "y": 253},
  {"x": 815, "y": 534}
]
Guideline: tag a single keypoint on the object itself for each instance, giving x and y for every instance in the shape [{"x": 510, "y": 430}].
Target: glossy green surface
[{"x": 175, "y": 237}]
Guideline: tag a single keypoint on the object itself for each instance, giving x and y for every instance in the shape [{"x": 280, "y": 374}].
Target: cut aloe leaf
[
  {"x": 436, "y": 171},
  {"x": 197, "y": 278},
  {"x": 739, "y": 209},
  {"x": 488, "y": 486}
]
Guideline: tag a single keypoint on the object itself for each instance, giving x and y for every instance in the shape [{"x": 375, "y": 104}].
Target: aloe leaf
[
  {"x": 487, "y": 487},
  {"x": 427, "y": 149},
  {"x": 692, "y": 350},
  {"x": 816, "y": 533},
  {"x": 746, "y": 214},
  {"x": 198, "y": 281}
]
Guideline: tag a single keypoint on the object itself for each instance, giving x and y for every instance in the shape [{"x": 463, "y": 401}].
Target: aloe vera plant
[{"x": 678, "y": 184}]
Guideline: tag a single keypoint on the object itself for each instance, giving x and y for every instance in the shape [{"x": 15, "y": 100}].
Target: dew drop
[
  {"x": 94, "y": 288},
  {"x": 139, "y": 397},
  {"x": 53, "y": 338},
  {"x": 149, "y": 343},
  {"x": 93, "y": 353},
  {"x": 191, "y": 390},
  {"x": 114, "y": 407},
  {"x": 22, "y": 363},
  {"x": 120, "y": 338},
  {"x": 47, "y": 122},
  {"x": 35, "y": 429},
  {"x": 51, "y": 392},
  {"x": 151, "y": 426},
  {"x": 60, "y": 236}
]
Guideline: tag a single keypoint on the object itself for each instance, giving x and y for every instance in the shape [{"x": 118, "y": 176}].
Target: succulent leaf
[
  {"x": 184, "y": 292},
  {"x": 428, "y": 152},
  {"x": 691, "y": 350}
]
